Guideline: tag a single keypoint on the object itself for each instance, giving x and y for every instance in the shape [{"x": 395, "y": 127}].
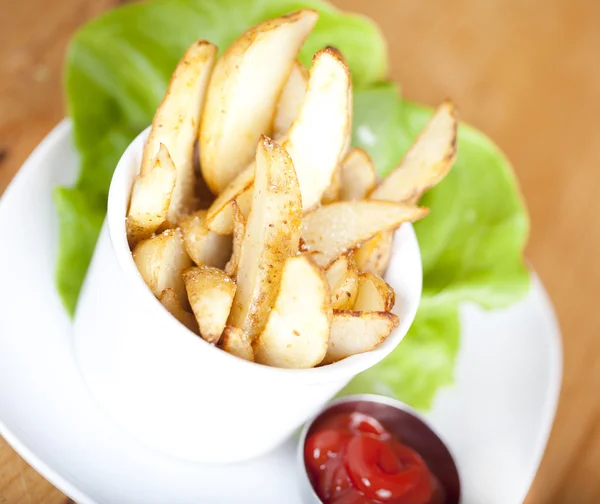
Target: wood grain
[{"x": 524, "y": 71}]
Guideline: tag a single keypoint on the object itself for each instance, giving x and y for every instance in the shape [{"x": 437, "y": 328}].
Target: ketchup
[{"x": 353, "y": 459}]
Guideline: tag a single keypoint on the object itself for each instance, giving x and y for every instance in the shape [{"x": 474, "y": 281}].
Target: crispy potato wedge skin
[
  {"x": 176, "y": 121},
  {"x": 202, "y": 245},
  {"x": 426, "y": 163},
  {"x": 355, "y": 332},
  {"x": 333, "y": 229},
  {"x": 297, "y": 329},
  {"x": 271, "y": 236},
  {"x": 290, "y": 100},
  {"x": 374, "y": 255},
  {"x": 357, "y": 175},
  {"x": 150, "y": 198},
  {"x": 161, "y": 261},
  {"x": 342, "y": 277},
  {"x": 374, "y": 294},
  {"x": 239, "y": 229},
  {"x": 211, "y": 293},
  {"x": 236, "y": 342},
  {"x": 243, "y": 93},
  {"x": 171, "y": 302},
  {"x": 317, "y": 137}
]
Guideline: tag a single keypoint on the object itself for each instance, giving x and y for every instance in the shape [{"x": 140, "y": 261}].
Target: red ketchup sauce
[{"x": 352, "y": 459}]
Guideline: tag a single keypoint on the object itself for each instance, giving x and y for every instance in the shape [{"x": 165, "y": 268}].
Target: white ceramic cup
[{"x": 176, "y": 392}]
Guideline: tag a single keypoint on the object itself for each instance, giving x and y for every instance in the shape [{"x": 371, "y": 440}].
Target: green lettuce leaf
[{"x": 117, "y": 71}]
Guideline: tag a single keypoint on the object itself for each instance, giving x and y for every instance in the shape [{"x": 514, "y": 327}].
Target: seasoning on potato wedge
[
  {"x": 211, "y": 294},
  {"x": 239, "y": 229},
  {"x": 202, "y": 245},
  {"x": 176, "y": 122},
  {"x": 333, "y": 229},
  {"x": 374, "y": 294},
  {"x": 150, "y": 198},
  {"x": 342, "y": 277},
  {"x": 236, "y": 342},
  {"x": 161, "y": 261},
  {"x": 272, "y": 235},
  {"x": 297, "y": 330},
  {"x": 426, "y": 163},
  {"x": 354, "y": 332}
]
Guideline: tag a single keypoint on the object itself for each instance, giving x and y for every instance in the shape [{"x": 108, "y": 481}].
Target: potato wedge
[
  {"x": 331, "y": 230},
  {"x": 426, "y": 163},
  {"x": 239, "y": 229},
  {"x": 211, "y": 293},
  {"x": 374, "y": 294},
  {"x": 150, "y": 198},
  {"x": 176, "y": 121},
  {"x": 243, "y": 93},
  {"x": 161, "y": 261},
  {"x": 297, "y": 329},
  {"x": 354, "y": 332},
  {"x": 317, "y": 137},
  {"x": 171, "y": 302},
  {"x": 332, "y": 193},
  {"x": 357, "y": 174},
  {"x": 272, "y": 235},
  {"x": 202, "y": 245},
  {"x": 342, "y": 277},
  {"x": 235, "y": 342},
  {"x": 220, "y": 214},
  {"x": 374, "y": 255},
  {"x": 290, "y": 100}
]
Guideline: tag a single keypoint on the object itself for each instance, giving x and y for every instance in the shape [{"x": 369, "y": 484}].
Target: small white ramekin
[{"x": 181, "y": 395}]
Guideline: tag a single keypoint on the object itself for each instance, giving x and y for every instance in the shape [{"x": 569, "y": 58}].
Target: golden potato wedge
[
  {"x": 342, "y": 277},
  {"x": 211, "y": 293},
  {"x": 297, "y": 328},
  {"x": 374, "y": 255},
  {"x": 374, "y": 294},
  {"x": 317, "y": 137},
  {"x": 176, "y": 121},
  {"x": 161, "y": 261},
  {"x": 243, "y": 92},
  {"x": 357, "y": 174},
  {"x": 354, "y": 332},
  {"x": 239, "y": 229},
  {"x": 332, "y": 229},
  {"x": 220, "y": 214},
  {"x": 290, "y": 100},
  {"x": 235, "y": 342},
  {"x": 202, "y": 245},
  {"x": 426, "y": 163},
  {"x": 171, "y": 302},
  {"x": 271, "y": 236},
  {"x": 150, "y": 198}
]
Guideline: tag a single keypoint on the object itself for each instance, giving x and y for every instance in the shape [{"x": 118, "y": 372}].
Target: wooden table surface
[{"x": 527, "y": 72}]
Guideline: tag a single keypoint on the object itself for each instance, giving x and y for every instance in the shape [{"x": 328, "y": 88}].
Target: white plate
[{"x": 496, "y": 419}]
